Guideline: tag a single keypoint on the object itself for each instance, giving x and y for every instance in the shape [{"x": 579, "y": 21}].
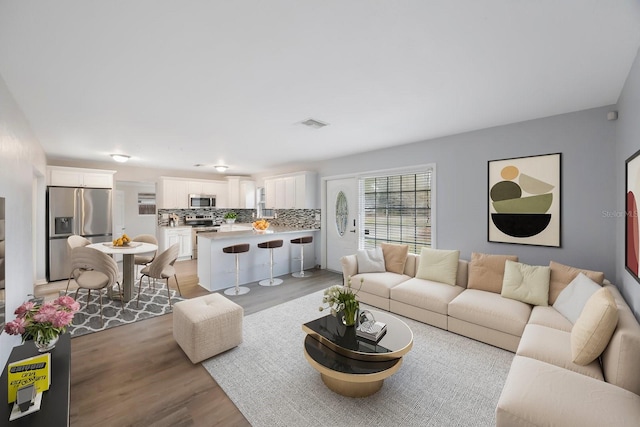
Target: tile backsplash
[{"x": 300, "y": 218}]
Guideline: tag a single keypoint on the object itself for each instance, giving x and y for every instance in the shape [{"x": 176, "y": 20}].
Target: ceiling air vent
[{"x": 313, "y": 123}]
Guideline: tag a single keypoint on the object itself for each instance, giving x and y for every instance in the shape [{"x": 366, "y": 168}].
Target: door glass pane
[{"x": 342, "y": 213}]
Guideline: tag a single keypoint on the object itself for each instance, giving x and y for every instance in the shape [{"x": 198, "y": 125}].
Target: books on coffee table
[{"x": 371, "y": 330}]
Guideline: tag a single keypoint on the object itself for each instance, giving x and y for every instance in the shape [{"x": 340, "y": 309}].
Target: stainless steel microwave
[{"x": 202, "y": 201}]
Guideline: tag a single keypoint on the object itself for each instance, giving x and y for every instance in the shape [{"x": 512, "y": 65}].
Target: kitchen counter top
[{"x": 224, "y": 234}]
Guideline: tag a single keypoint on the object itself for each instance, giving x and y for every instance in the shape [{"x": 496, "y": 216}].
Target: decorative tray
[{"x": 125, "y": 246}]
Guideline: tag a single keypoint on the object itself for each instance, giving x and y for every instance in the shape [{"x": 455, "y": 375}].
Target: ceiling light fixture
[
  {"x": 120, "y": 158},
  {"x": 221, "y": 168}
]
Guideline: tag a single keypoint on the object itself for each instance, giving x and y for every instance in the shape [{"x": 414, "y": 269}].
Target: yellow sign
[{"x": 34, "y": 370}]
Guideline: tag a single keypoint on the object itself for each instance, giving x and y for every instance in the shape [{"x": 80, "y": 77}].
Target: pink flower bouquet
[{"x": 49, "y": 319}]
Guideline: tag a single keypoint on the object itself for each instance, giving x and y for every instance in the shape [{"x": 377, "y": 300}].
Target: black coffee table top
[{"x": 330, "y": 331}]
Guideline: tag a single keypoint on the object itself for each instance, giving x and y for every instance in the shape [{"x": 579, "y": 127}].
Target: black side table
[{"x": 54, "y": 410}]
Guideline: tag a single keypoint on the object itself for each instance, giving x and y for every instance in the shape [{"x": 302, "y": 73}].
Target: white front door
[{"x": 342, "y": 216}]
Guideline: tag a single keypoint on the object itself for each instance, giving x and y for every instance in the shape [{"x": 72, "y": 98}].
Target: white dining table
[{"x": 128, "y": 264}]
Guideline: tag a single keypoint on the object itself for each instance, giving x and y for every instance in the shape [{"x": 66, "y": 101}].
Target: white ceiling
[{"x": 181, "y": 82}]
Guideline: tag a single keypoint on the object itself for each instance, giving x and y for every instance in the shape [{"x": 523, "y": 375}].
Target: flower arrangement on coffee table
[
  {"x": 43, "y": 322},
  {"x": 342, "y": 299}
]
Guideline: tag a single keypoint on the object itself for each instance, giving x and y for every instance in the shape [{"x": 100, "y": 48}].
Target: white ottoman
[{"x": 207, "y": 325}]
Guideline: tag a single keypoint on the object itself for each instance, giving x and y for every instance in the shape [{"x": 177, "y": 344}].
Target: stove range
[
  {"x": 205, "y": 220},
  {"x": 200, "y": 224}
]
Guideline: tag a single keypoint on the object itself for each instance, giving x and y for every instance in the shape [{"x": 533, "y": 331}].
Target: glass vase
[
  {"x": 44, "y": 343},
  {"x": 350, "y": 312}
]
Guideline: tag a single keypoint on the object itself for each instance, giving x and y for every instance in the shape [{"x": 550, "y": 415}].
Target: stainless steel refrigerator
[{"x": 82, "y": 211}]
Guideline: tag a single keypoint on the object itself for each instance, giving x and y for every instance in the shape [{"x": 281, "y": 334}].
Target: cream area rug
[{"x": 445, "y": 380}]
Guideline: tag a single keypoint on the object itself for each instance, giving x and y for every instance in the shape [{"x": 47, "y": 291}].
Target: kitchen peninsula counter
[{"x": 216, "y": 269}]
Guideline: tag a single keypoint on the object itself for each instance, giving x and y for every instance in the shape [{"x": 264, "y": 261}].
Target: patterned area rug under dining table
[
  {"x": 445, "y": 380},
  {"x": 153, "y": 302}
]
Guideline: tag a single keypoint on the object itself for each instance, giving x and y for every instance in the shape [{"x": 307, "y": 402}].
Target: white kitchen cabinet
[
  {"x": 241, "y": 193},
  {"x": 302, "y": 192},
  {"x": 297, "y": 191},
  {"x": 233, "y": 191},
  {"x": 281, "y": 196},
  {"x": 290, "y": 191},
  {"x": 270, "y": 193},
  {"x": 247, "y": 194},
  {"x": 172, "y": 235},
  {"x": 220, "y": 190},
  {"x": 173, "y": 193},
  {"x": 307, "y": 190},
  {"x": 60, "y": 176},
  {"x": 210, "y": 187},
  {"x": 195, "y": 187}
]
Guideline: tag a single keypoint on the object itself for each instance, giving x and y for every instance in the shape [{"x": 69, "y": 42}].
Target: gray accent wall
[
  {"x": 589, "y": 186},
  {"x": 627, "y": 143}
]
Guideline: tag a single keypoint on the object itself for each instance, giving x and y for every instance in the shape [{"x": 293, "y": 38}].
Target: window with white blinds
[{"x": 396, "y": 209}]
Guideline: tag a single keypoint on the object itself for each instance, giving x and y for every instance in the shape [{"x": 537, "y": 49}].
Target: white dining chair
[
  {"x": 73, "y": 242},
  {"x": 144, "y": 259},
  {"x": 162, "y": 268},
  {"x": 97, "y": 271}
]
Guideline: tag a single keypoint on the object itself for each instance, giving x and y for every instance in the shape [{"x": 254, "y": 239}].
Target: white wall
[
  {"x": 586, "y": 141},
  {"x": 22, "y": 168},
  {"x": 627, "y": 143},
  {"x": 136, "y": 224}
]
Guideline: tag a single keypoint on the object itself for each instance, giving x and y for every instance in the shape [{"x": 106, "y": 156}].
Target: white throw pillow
[
  {"x": 572, "y": 299},
  {"x": 370, "y": 260},
  {"x": 438, "y": 265},
  {"x": 526, "y": 283}
]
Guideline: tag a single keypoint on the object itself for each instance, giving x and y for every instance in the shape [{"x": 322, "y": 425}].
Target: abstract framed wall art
[
  {"x": 524, "y": 200},
  {"x": 632, "y": 199}
]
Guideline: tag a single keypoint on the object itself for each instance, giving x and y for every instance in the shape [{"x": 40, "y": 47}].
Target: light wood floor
[{"x": 136, "y": 375}]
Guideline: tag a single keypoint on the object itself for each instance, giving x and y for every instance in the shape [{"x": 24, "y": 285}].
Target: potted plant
[{"x": 230, "y": 217}]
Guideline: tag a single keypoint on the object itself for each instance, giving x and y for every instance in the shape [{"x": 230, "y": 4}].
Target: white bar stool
[
  {"x": 302, "y": 241},
  {"x": 271, "y": 244},
  {"x": 237, "y": 250}
]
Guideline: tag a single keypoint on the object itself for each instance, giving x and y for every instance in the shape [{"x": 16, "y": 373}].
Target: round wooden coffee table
[{"x": 354, "y": 366}]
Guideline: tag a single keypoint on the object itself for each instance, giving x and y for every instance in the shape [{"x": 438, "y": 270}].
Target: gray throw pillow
[
  {"x": 370, "y": 260},
  {"x": 574, "y": 297}
]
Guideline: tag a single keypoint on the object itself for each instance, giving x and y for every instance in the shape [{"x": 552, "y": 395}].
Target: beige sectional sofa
[{"x": 544, "y": 386}]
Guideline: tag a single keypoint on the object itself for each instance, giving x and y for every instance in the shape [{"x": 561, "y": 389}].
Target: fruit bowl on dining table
[
  {"x": 260, "y": 226},
  {"x": 122, "y": 241}
]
